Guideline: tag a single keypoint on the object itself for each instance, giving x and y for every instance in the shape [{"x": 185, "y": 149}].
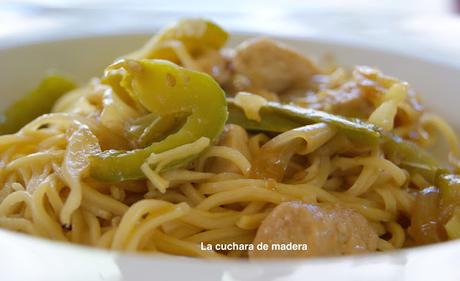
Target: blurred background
[{"x": 431, "y": 26}]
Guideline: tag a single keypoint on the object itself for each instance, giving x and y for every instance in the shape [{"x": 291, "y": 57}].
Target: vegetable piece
[
  {"x": 411, "y": 157},
  {"x": 164, "y": 88},
  {"x": 82, "y": 143},
  {"x": 453, "y": 225},
  {"x": 449, "y": 187},
  {"x": 152, "y": 128},
  {"x": 195, "y": 35},
  {"x": 276, "y": 117},
  {"x": 34, "y": 104},
  {"x": 270, "y": 121},
  {"x": 425, "y": 225}
]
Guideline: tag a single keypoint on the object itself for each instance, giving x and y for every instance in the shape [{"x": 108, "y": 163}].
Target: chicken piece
[
  {"x": 272, "y": 66},
  {"x": 235, "y": 137},
  {"x": 216, "y": 64},
  {"x": 328, "y": 230}
]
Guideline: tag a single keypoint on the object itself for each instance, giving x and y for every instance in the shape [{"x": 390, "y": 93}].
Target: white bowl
[{"x": 27, "y": 258}]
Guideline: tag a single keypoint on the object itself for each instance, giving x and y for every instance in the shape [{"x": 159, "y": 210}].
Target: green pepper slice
[
  {"x": 277, "y": 117},
  {"x": 164, "y": 88},
  {"x": 411, "y": 157},
  {"x": 449, "y": 188},
  {"x": 152, "y": 128},
  {"x": 34, "y": 104}
]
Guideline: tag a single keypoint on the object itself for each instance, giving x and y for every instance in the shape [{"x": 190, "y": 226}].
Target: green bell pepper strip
[
  {"x": 276, "y": 117},
  {"x": 453, "y": 225},
  {"x": 34, "y": 104},
  {"x": 271, "y": 121},
  {"x": 152, "y": 128},
  {"x": 164, "y": 88},
  {"x": 449, "y": 189},
  {"x": 411, "y": 157}
]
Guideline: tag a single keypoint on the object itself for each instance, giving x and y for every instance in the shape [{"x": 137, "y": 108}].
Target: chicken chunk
[
  {"x": 272, "y": 66},
  {"x": 327, "y": 230}
]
